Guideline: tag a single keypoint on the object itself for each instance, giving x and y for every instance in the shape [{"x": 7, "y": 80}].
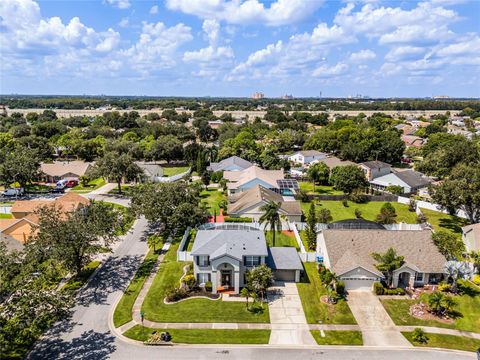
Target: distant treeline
[{"x": 232, "y": 104}]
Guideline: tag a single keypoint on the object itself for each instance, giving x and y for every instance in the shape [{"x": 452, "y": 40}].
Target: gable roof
[
  {"x": 69, "y": 202},
  {"x": 475, "y": 230},
  {"x": 375, "y": 164},
  {"x": 232, "y": 160},
  {"x": 150, "y": 169},
  {"x": 259, "y": 194},
  {"x": 238, "y": 178},
  {"x": 333, "y": 161},
  {"x": 233, "y": 243},
  {"x": 283, "y": 258},
  {"x": 413, "y": 178},
  {"x": 348, "y": 249},
  {"x": 309, "y": 153},
  {"x": 60, "y": 168}
]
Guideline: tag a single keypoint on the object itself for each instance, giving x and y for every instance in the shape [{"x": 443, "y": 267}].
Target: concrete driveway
[
  {"x": 289, "y": 326},
  {"x": 376, "y": 326}
]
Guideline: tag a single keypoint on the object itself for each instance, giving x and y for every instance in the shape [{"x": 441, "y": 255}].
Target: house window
[
  {"x": 419, "y": 277},
  {"x": 252, "y": 260},
  {"x": 202, "y": 278},
  {"x": 203, "y": 261}
]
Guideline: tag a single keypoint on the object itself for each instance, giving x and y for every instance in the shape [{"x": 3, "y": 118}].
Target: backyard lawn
[
  {"x": 468, "y": 306},
  {"x": 212, "y": 197},
  {"x": 281, "y": 239},
  {"x": 441, "y": 221},
  {"x": 123, "y": 311},
  {"x": 338, "y": 337},
  {"x": 203, "y": 336},
  {"x": 5, "y": 216},
  {"x": 369, "y": 210},
  {"x": 92, "y": 185},
  {"x": 446, "y": 341},
  {"x": 316, "y": 311},
  {"x": 174, "y": 170},
  {"x": 192, "y": 310},
  {"x": 307, "y": 186}
]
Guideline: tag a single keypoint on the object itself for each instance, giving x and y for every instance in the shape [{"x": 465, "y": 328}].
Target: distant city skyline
[{"x": 380, "y": 49}]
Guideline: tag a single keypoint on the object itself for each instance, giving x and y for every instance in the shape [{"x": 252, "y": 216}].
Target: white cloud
[
  {"x": 212, "y": 30},
  {"x": 325, "y": 71},
  {"x": 121, "y": 4},
  {"x": 124, "y": 22},
  {"x": 362, "y": 56},
  {"x": 402, "y": 53},
  {"x": 280, "y": 12},
  {"x": 208, "y": 54},
  {"x": 154, "y": 10}
]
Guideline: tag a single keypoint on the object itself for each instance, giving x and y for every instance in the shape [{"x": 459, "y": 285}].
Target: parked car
[
  {"x": 58, "y": 189},
  {"x": 71, "y": 183},
  {"x": 62, "y": 183},
  {"x": 13, "y": 192}
]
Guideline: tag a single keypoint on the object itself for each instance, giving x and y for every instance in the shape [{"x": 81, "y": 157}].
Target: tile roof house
[
  {"x": 413, "y": 141},
  {"x": 306, "y": 157},
  {"x": 374, "y": 169},
  {"x": 411, "y": 181},
  {"x": 471, "y": 237},
  {"x": 233, "y": 163},
  {"x": 15, "y": 232},
  {"x": 238, "y": 181},
  {"x": 64, "y": 170},
  {"x": 249, "y": 202},
  {"x": 348, "y": 254},
  {"x": 224, "y": 256}
]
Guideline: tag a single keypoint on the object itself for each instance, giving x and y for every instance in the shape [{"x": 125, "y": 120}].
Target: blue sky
[{"x": 236, "y": 47}]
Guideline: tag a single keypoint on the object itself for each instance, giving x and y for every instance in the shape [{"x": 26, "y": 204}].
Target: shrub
[
  {"x": 358, "y": 214},
  {"x": 444, "y": 287},
  {"x": 208, "y": 286},
  {"x": 419, "y": 336},
  {"x": 189, "y": 281},
  {"x": 217, "y": 176},
  {"x": 421, "y": 218},
  {"x": 465, "y": 287},
  {"x": 358, "y": 197},
  {"x": 395, "y": 189},
  {"x": 476, "y": 279},
  {"x": 238, "y": 220},
  {"x": 176, "y": 294},
  {"x": 345, "y": 202},
  {"x": 378, "y": 288},
  {"x": 340, "y": 288},
  {"x": 303, "y": 196},
  {"x": 397, "y": 291},
  {"x": 412, "y": 205}
]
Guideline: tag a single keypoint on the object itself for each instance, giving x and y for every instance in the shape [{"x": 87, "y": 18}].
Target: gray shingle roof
[
  {"x": 233, "y": 243},
  {"x": 284, "y": 258},
  {"x": 375, "y": 164},
  {"x": 232, "y": 160},
  {"x": 413, "y": 178},
  {"x": 348, "y": 249}
]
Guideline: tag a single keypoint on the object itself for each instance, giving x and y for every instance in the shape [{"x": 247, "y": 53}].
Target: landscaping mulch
[{"x": 420, "y": 311}]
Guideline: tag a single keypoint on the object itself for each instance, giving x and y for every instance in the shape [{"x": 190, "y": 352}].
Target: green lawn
[
  {"x": 369, "y": 210},
  {"x": 123, "y": 311},
  {"x": 38, "y": 188},
  {"x": 304, "y": 240},
  {"x": 190, "y": 240},
  {"x": 126, "y": 190},
  {"x": 174, "y": 170},
  {"x": 78, "y": 281},
  {"x": 316, "y": 311},
  {"x": 281, "y": 239},
  {"x": 441, "y": 221},
  {"x": 92, "y": 185},
  {"x": 203, "y": 336},
  {"x": 307, "y": 186},
  {"x": 127, "y": 218},
  {"x": 446, "y": 341},
  {"x": 212, "y": 197},
  {"x": 468, "y": 306},
  {"x": 338, "y": 337},
  {"x": 5, "y": 216},
  {"x": 192, "y": 310}
]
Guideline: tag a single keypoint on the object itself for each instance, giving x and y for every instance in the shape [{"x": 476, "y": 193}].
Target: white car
[{"x": 13, "y": 192}]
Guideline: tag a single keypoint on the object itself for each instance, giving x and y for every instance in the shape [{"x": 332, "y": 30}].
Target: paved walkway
[
  {"x": 102, "y": 190},
  {"x": 288, "y": 323},
  {"x": 376, "y": 326}
]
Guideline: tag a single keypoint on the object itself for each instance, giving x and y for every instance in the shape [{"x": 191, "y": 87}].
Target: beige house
[
  {"x": 249, "y": 202},
  {"x": 239, "y": 181},
  {"x": 58, "y": 170},
  {"x": 333, "y": 161},
  {"x": 375, "y": 169},
  {"x": 15, "y": 232},
  {"x": 348, "y": 252},
  {"x": 471, "y": 237}
]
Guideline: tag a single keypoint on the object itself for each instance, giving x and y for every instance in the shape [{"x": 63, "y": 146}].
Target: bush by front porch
[{"x": 195, "y": 309}]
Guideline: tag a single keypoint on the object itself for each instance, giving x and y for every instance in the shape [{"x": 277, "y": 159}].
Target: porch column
[
  {"x": 236, "y": 280},
  {"x": 214, "y": 282},
  {"x": 411, "y": 282}
]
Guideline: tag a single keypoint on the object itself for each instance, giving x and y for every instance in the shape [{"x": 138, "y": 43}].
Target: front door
[{"x": 226, "y": 278}]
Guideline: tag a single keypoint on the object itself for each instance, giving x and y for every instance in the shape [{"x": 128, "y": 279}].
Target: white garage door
[
  {"x": 285, "y": 275},
  {"x": 362, "y": 284}
]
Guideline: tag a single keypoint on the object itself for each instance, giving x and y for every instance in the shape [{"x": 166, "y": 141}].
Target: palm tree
[
  {"x": 271, "y": 217},
  {"x": 456, "y": 270},
  {"x": 388, "y": 263}
]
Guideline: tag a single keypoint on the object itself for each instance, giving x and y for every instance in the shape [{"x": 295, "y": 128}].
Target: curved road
[{"x": 87, "y": 334}]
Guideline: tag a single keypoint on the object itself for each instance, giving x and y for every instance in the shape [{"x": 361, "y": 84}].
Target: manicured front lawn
[
  {"x": 316, "y": 311},
  {"x": 203, "y": 336},
  {"x": 441, "y": 221},
  {"x": 281, "y": 239},
  {"x": 212, "y": 198},
  {"x": 338, "y": 337},
  {"x": 446, "y": 341},
  {"x": 123, "y": 311},
  {"x": 174, "y": 170},
  {"x": 78, "y": 281},
  {"x": 127, "y": 219},
  {"x": 468, "y": 306},
  {"x": 319, "y": 189},
  {"x": 369, "y": 210},
  {"x": 92, "y": 185},
  {"x": 191, "y": 310},
  {"x": 126, "y": 190}
]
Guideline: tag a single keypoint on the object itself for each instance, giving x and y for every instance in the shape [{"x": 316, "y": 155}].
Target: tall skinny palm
[{"x": 271, "y": 217}]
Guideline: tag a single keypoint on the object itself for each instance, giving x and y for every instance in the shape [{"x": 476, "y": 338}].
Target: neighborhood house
[
  {"x": 243, "y": 180},
  {"x": 58, "y": 170},
  {"x": 233, "y": 163},
  {"x": 409, "y": 180},
  {"x": 306, "y": 157},
  {"x": 375, "y": 169}
]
